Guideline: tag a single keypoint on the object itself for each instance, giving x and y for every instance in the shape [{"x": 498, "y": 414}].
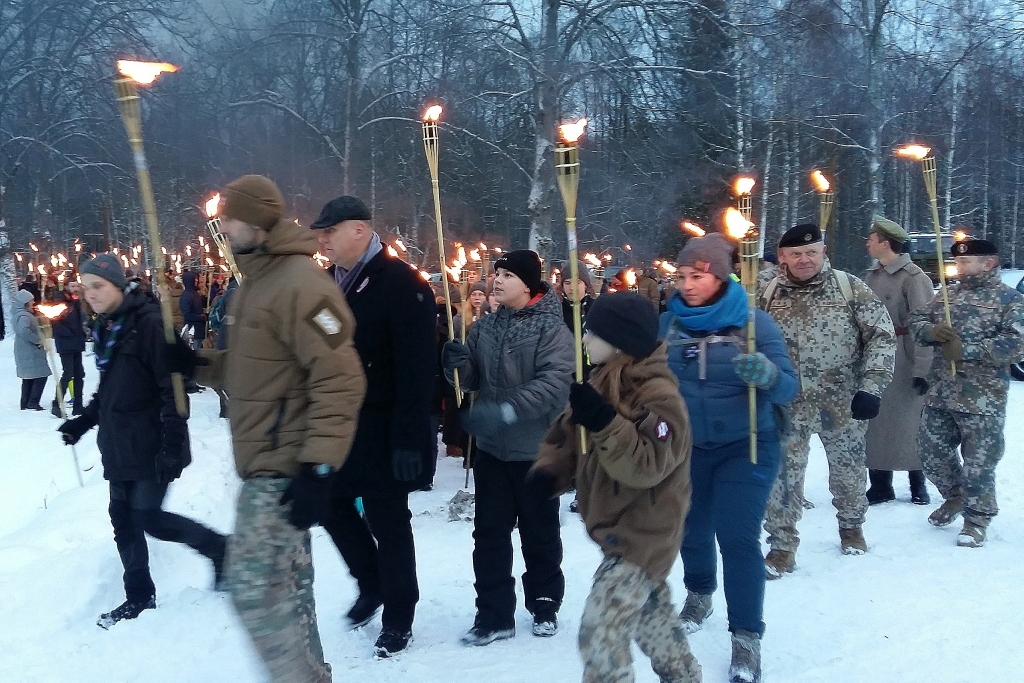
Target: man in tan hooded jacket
[{"x": 295, "y": 385}]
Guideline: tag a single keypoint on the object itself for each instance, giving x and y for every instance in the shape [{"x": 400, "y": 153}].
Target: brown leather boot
[
  {"x": 852, "y": 541},
  {"x": 947, "y": 512},
  {"x": 779, "y": 562}
]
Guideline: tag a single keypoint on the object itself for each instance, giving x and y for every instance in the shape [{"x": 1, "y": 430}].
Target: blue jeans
[{"x": 729, "y": 498}]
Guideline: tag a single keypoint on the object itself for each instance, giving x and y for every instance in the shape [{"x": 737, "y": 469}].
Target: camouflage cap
[{"x": 889, "y": 229}]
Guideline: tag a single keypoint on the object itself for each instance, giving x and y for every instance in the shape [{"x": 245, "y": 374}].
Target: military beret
[
  {"x": 972, "y": 247},
  {"x": 800, "y": 236},
  {"x": 339, "y": 209},
  {"x": 889, "y": 229}
]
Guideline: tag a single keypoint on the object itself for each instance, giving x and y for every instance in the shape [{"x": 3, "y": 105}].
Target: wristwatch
[{"x": 322, "y": 470}]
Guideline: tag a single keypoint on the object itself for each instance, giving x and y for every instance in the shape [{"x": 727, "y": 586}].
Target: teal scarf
[{"x": 729, "y": 311}]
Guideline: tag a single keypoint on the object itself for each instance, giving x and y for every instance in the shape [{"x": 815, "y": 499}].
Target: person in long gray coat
[
  {"x": 892, "y": 436},
  {"x": 519, "y": 362},
  {"x": 29, "y": 354}
]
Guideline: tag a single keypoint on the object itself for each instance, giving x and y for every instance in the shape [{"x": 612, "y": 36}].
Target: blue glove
[{"x": 756, "y": 369}]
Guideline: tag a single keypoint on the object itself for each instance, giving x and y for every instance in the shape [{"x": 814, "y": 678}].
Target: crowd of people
[{"x": 337, "y": 384}]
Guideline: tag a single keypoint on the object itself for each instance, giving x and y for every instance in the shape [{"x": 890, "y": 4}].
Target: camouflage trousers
[
  {"x": 626, "y": 605},
  {"x": 980, "y": 438},
  {"x": 269, "y": 573},
  {"x": 847, "y": 479}
]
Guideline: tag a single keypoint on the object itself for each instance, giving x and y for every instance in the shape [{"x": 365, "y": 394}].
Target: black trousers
[
  {"x": 73, "y": 370},
  {"x": 32, "y": 392},
  {"x": 134, "y": 512},
  {"x": 380, "y": 552},
  {"x": 503, "y": 498}
]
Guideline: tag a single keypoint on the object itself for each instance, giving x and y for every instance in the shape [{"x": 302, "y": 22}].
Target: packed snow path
[{"x": 915, "y": 608}]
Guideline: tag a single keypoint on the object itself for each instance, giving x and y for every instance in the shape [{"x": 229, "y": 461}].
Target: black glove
[
  {"x": 487, "y": 417},
  {"x": 406, "y": 465},
  {"x": 181, "y": 359},
  {"x": 589, "y": 408},
  {"x": 309, "y": 493},
  {"x": 865, "y": 406},
  {"x": 920, "y": 385},
  {"x": 454, "y": 355},
  {"x": 170, "y": 460},
  {"x": 545, "y": 483},
  {"x": 74, "y": 429}
]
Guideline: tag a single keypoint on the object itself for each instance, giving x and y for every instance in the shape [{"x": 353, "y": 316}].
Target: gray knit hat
[
  {"x": 108, "y": 267},
  {"x": 710, "y": 254}
]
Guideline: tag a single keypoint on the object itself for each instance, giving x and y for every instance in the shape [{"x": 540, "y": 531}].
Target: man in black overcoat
[{"x": 395, "y": 447}]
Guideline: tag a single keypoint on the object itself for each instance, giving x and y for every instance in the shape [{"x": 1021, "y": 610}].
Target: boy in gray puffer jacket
[
  {"x": 519, "y": 363},
  {"x": 29, "y": 354}
]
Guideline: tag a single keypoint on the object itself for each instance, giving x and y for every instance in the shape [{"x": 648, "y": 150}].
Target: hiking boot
[
  {"x": 918, "y": 488},
  {"x": 852, "y": 541},
  {"x": 127, "y": 610},
  {"x": 746, "y": 658},
  {"x": 947, "y": 512},
  {"x": 364, "y": 609},
  {"x": 881, "y": 490},
  {"x": 779, "y": 562},
  {"x": 55, "y": 410},
  {"x": 390, "y": 642},
  {"x": 545, "y": 619},
  {"x": 971, "y": 536},
  {"x": 696, "y": 610},
  {"x": 481, "y": 635}
]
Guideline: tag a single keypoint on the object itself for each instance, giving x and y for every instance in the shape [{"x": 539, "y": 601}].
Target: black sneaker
[
  {"x": 545, "y": 623},
  {"x": 363, "y": 611},
  {"x": 481, "y": 635},
  {"x": 390, "y": 642},
  {"x": 127, "y": 610}
]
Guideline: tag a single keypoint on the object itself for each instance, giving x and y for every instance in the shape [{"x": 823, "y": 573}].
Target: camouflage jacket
[
  {"x": 838, "y": 347},
  {"x": 989, "y": 318}
]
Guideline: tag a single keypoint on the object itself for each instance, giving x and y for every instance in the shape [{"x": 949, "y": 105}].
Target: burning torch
[
  {"x": 132, "y": 75},
  {"x": 826, "y": 198},
  {"x": 50, "y": 313},
  {"x": 742, "y": 187},
  {"x": 213, "y": 225},
  {"x": 430, "y": 146},
  {"x": 743, "y": 231},
  {"x": 567, "y": 171},
  {"x": 927, "y": 159}
]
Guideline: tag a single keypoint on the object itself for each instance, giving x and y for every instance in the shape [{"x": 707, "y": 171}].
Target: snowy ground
[{"x": 915, "y": 608}]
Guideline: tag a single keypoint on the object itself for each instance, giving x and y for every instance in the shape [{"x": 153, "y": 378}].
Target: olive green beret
[{"x": 889, "y": 229}]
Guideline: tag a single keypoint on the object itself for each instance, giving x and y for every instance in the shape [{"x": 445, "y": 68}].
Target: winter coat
[
  {"x": 29, "y": 355},
  {"x": 892, "y": 436},
  {"x": 716, "y": 398},
  {"x": 69, "y": 328},
  {"x": 570, "y": 321},
  {"x": 176, "y": 290},
  {"x": 524, "y": 358},
  {"x": 134, "y": 403},
  {"x": 290, "y": 369},
  {"x": 219, "y": 314},
  {"x": 838, "y": 346},
  {"x": 988, "y": 317},
  {"x": 633, "y": 485},
  {"x": 395, "y": 317},
  {"x": 193, "y": 308},
  {"x": 650, "y": 289}
]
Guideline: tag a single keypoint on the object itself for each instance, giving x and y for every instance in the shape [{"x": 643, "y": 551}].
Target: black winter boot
[
  {"x": 881, "y": 490},
  {"x": 918, "y": 488},
  {"x": 127, "y": 610},
  {"x": 364, "y": 609}
]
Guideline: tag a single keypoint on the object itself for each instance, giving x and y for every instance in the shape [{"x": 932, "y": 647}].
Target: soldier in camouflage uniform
[
  {"x": 968, "y": 409},
  {"x": 843, "y": 346}
]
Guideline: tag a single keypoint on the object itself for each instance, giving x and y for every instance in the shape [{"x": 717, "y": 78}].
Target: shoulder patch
[
  {"x": 325, "y": 319},
  {"x": 662, "y": 430}
]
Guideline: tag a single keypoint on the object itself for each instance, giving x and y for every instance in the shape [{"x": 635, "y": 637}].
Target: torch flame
[
  {"x": 960, "y": 235},
  {"x": 212, "y": 205},
  {"x": 392, "y": 251},
  {"x": 735, "y": 224},
  {"x": 743, "y": 185},
  {"x": 630, "y": 278},
  {"x": 433, "y": 114},
  {"x": 694, "y": 229},
  {"x": 461, "y": 256},
  {"x": 918, "y": 152},
  {"x": 78, "y": 247},
  {"x": 425, "y": 275},
  {"x": 400, "y": 244},
  {"x": 668, "y": 268},
  {"x": 820, "y": 181},
  {"x": 144, "y": 73},
  {"x": 572, "y": 132},
  {"x": 33, "y": 247},
  {"x": 483, "y": 246},
  {"x": 474, "y": 255},
  {"x": 51, "y": 311},
  {"x": 592, "y": 260}
]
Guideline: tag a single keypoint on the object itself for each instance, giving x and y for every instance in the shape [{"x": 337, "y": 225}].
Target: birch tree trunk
[
  {"x": 954, "y": 121},
  {"x": 7, "y": 278},
  {"x": 766, "y": 178}
]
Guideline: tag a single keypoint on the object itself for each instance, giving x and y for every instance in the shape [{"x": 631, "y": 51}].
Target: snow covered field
[{"x": 915, "y": 608}]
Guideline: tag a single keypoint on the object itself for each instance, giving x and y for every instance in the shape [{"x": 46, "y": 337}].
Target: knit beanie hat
[
  {"x": 709, "y": 254},
  {"x": 525, "y": 264},
  {"x": 478, "y": 287},
  {"x": 627, "y": 321},
  {"x": 253, "y": 199},
  {"x": 23, "y": 297},
  {"x": 108, "y": 267},
  {"x": 583, "y": 271}
]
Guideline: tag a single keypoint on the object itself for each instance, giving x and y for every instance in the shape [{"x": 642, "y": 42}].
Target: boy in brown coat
[{"x": 633, "y": 487}]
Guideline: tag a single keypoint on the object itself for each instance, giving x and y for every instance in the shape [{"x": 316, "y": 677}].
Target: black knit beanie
[
  {"x": 526, "y": 265},
  {"x": 627, "y": 321},
  {"x": 108, "y": 267}
]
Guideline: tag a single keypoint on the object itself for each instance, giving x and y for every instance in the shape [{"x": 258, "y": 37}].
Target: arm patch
[{"x": 325, "y": 319}]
